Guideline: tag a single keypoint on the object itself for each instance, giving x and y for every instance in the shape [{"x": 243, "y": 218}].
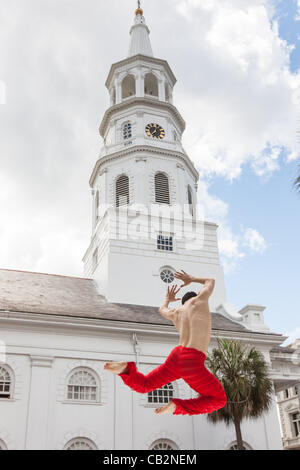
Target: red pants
[{"x": 188, "y": 364}]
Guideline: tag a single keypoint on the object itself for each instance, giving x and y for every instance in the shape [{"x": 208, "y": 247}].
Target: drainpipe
[{"x": 137, "y": 349}]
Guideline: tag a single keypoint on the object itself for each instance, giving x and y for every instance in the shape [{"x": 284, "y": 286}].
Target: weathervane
[{"x": 139, "y": 3}]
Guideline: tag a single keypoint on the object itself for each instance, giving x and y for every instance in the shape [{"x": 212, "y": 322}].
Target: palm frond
[{"x": 243, "y": 373}]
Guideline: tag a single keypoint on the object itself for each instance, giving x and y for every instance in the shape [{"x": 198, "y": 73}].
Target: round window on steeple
[{"x": 167, "y": 275}]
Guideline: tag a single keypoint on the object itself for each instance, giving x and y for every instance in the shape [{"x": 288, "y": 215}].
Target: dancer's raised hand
[
  {"x": 184, "y": 277},
  {"x": 171, "y": 294}
]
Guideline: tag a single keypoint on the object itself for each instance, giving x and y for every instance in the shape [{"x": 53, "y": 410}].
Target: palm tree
[{"x": 243, "y": 373}]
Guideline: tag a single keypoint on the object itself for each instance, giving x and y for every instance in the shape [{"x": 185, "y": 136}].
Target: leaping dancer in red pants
[{"x": 193, "y": 322}]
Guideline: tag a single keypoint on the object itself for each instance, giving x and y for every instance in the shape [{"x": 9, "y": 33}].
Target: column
[
  {"x": 161, "y": 90},
  {"x": 118, "y": 86},
  {"x": 139, "y": 84},
  {"x": 37, "y": 418}
]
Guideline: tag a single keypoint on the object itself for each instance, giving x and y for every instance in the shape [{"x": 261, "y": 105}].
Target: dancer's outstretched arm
[
  {"x": 164, "y": 310},
  {"x": 207, "y": 289}
]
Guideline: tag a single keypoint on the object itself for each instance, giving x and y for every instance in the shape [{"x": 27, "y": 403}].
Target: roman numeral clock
[{"x": 155, "y": 131}]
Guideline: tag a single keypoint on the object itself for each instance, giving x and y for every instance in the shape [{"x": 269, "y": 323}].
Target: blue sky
[
  {"x": 237, "y": 82},
  {"x": 271, "y": 205}
]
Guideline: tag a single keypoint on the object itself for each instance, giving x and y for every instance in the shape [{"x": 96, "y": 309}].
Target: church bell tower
[{"x": 145, "y": 219}]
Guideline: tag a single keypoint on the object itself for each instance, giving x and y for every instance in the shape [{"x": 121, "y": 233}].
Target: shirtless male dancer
[{"x": 193, "y": 322}]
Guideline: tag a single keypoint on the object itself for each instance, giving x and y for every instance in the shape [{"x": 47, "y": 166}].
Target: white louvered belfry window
[
  {"x": 122, "y": 191},
  {"x": 162, "y": 395},
  {"x": 164, "y": 243},
  {"x": 127, "y": 131},
  {"x": 5, "y": 383},
  {"x": 80, "y": 443},
  {"x": 163, "y": 444},
  {"x": 190, "y": 200},
  {"x": 162, "y": 189},
  {"x": 82, "y": 386}
]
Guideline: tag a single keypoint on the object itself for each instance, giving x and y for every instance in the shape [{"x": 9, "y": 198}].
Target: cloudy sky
[{"x": 238, "y": 68}]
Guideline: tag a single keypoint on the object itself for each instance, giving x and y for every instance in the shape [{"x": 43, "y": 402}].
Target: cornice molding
[
  {"x": 144, "y": 101},
  {"x": 140, "y": 101},
  {"x": 78, "y": 323},
  {"x": 138, "y": 149},
  {"x": 137, "y": 58}
]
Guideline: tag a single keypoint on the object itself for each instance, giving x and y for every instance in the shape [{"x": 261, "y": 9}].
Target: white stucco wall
[{"x": 39, "y": 417}]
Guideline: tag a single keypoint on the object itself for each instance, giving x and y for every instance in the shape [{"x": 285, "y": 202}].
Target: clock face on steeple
[{"x": 155, "y": 131}]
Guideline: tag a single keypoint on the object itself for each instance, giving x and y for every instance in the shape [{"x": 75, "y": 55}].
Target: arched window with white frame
[
  {"x": 83, "y": 386},
  {"x": 80, "y": 443},
  {"x": 122, "y": 191},
  {"x": 162, "y": 188},
  {"x": 6, "y": 382},
  {"x": 234, "y": 446},
  {"x": 3, "y": 446},
  {"x": 162, "y": 395},
  {"x": 164, "y": 444},
  {"x": 128, "y": 87},
  {"x": 151, "y": 85}
]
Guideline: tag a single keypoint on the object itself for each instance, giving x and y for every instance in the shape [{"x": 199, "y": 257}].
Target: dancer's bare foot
[
  {"x": 116, "y": 367},
  {"x": 169, "y": 409}
]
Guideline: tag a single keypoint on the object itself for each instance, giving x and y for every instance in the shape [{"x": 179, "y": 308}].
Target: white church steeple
[
  {"x": 143, "y": 171},
  {"x": 140, "y": 41}
]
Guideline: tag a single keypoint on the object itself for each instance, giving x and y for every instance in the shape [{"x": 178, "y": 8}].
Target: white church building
[{"x": 57, "y": 332}]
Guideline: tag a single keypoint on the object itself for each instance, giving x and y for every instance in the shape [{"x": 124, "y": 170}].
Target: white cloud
[
  {"x": 240, "y": 100},
  {"x": 233, "y": 246},
  {"x": 293, "y": 335},
  {"x": 255, "y": 241},
  {"x": 298, "y": 13}
]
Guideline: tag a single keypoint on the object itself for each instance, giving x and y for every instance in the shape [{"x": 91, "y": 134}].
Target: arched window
[
  {"x": 128, "y": 87},
  {"x": 151, "y": 85},
  {"x": 5, "y": 383},
  {"x": 234, "y": 446},
  {"x": 162, "y": 190},
  {"x": 163, "y": 444},
  {"x": 83, "y": 386},
  {"x": 162, "y": 395},
  {"x": 122, "y": 191},
  {"x": 3, "y": 446},
  {"x": 80, "y": 443},
  {"x": 127, "y": 131},
  {"x": 190, "y": 200}
]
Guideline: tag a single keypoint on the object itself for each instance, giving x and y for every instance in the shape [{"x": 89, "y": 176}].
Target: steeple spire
[
  {"x": 140, "y": 41},
  {"x": 139, "y": 11}
]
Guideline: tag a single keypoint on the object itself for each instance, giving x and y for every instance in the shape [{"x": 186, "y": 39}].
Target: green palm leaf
[{"x": 243, "y": 373}]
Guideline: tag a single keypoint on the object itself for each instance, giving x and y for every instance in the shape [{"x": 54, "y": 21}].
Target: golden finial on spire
[{"x": 139, "y": 11}]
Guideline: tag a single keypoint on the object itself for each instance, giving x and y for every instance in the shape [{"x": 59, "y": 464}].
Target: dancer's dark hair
[{"x": 188, "y": 296}]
